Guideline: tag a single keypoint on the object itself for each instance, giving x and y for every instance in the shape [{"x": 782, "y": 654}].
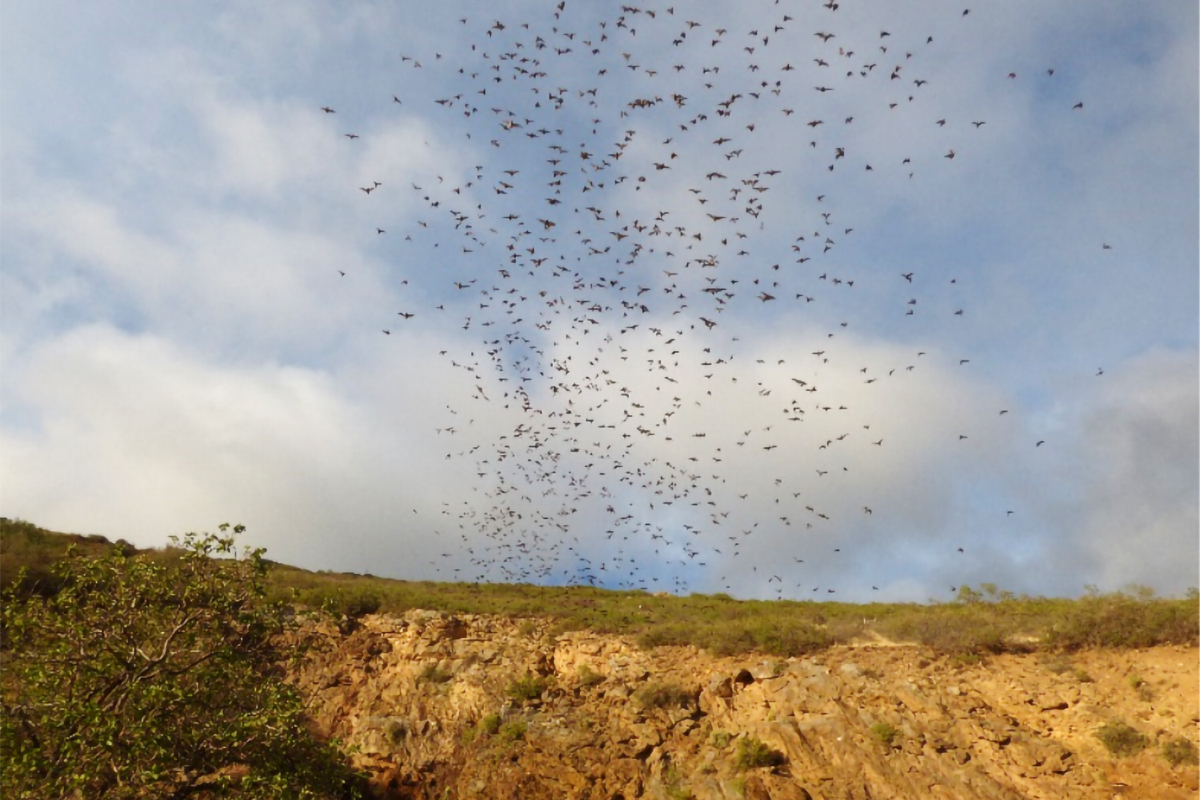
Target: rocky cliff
[{"x": 442, "y": 706}]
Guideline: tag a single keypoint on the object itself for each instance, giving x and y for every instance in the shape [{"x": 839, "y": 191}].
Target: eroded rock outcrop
[{"x": 443, "y": 706}]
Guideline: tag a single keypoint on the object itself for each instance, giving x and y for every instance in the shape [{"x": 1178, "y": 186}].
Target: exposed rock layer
[{"x": 414, "y": 694}]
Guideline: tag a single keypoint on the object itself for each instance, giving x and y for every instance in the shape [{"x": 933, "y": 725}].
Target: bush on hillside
[
  {"x": 146, "y": 677},
  {"x": 754, "y": 753},
  {"x": 1118, "y": 620},
  {"x": 1121, "y": 739}
]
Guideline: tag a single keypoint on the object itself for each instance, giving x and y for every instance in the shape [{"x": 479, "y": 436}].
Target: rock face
[{"x": 444, "y": 706}]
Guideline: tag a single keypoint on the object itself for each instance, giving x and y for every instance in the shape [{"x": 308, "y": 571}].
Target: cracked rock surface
[{"x": 427, "y": 700}]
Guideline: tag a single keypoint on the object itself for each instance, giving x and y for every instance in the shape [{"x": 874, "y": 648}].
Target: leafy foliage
[{"x": 143, "y": 677}]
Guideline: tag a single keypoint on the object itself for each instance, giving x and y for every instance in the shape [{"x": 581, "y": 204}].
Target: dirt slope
[{"x": 614, "y": 722}]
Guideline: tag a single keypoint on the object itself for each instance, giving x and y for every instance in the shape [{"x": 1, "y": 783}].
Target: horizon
[{"x": 983, "y": 593}]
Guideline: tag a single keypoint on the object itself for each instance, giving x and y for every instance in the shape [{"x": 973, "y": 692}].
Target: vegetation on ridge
[{"x": 981, "y": 621}]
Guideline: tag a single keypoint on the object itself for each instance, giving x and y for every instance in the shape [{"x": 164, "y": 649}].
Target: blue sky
[{"x": 181, "y": 346}]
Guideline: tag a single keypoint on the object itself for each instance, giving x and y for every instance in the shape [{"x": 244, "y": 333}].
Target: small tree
[
  {"x": 148, "y": 677},
  {"x": 968, "y": 595}
]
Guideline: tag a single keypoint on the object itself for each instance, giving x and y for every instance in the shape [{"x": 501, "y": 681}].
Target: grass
[
  {"x": 1121, "y": 739},
  {"x": 974, "y": 624}
]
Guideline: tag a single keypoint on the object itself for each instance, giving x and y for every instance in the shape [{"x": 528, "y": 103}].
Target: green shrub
[
  {"x": 1180, "y": 751},
  {"x": 1121, "y": 739},
  {"x": 752, "y": 753},
  {"x": 359, "y": 604},
  {"x": 1139, "y": 685},
  {"x": 513, "y": 731},
  {"x": 721, "y": 739},
  {"x": 885, "y": 733},
  {"x": 1119, "y": 620},
  {"x": 954, "y": 630},
  {"x": 490, "y": 724},
  {"x": 528, "y": 688},
  {"x": 143, "y": 675}
]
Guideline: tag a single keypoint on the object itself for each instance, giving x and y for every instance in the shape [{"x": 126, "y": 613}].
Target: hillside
[
  {"x": 496, "y": 691},
  {"x": 471, "y": 706}
]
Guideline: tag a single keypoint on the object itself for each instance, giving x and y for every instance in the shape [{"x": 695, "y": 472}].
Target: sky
[{"x": 833, "y": 301}]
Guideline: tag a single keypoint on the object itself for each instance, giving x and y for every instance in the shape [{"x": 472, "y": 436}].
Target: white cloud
[
  {"x": 1135, "y": 519},
  {"x": 180, "y": 348},
  {"x": 139, "y": 438}
]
